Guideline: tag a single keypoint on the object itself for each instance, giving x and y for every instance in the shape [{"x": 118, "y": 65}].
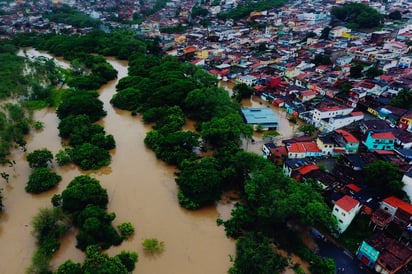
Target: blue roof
[{"x": 260, "y": 116}]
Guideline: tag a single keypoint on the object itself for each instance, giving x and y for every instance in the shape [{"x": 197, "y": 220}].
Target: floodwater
[
  {"x": 286, "y": 129},
  {"x": 141, "y": 190}
]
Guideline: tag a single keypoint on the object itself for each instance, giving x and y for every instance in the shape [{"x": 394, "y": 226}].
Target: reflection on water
[{"x": 141, "y": 190}]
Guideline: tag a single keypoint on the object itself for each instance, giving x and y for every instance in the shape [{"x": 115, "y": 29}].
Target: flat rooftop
[{"x": 260, "y": 116}]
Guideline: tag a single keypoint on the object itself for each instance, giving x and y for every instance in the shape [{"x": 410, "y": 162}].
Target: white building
[
  {"x": 345, "y": 210},
  {"x": 338, "y": 122},
  {"x": 327, "y": 111}
]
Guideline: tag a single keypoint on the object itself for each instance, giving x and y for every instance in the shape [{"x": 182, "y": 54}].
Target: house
[
  {"x": 303, "y": 149},
  {"x": 306, "y": 95},
  {"x": 328, "y": 110},
  {"x": 346, "y": 141},
  {"x": 345, "y": 210},
  {"x": 340, "y": 121},
  {"x": 407, "y": 180},
  {"x": 325, "y": 180},
  {"x": 406, "y": 121},
  {"x": 326, "y": 144},
  {"x": 400, "y": 210},
  {"x": 293, "y": 164},
  {"x": 260, "y": 117},
  {"x": 278, "y": 154},
  {"x": 384, "y": 254},
  {"x": 298, "y": 173},
  {"x": 380, "y": 140},
  {"x": 375, "y": 125}
]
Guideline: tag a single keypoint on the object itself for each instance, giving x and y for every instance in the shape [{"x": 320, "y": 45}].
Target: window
[
  {"x": 340, "y": 221},
  {"x": 343, "y": 214},
  {"x": 336, "y": 209}
]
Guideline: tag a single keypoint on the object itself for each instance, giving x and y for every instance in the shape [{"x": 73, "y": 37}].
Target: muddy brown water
[
  {"x": 286, "y": 129},
  {"x": 141, "y": 190}
]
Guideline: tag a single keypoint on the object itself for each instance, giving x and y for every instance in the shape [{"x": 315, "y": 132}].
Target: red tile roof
[
  {"x": 353, "y": 187},
  {"x": 296, "y": 148},
  {"x": 383, "y": 135},
  {"x": 347, "y": 136},
  {"x": 398, "y": 203},
  {"x": 308, "y": 168},
  {"x": 347, "y": 203}
]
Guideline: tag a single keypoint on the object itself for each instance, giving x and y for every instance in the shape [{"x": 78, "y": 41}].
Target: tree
[
  {"x": 88, "y": 156},
  {"x": 395, "y": 15},
  {"x": 355, "y": 71},
  {"x": 126, "y": 229},
  {"x": 255, "y": 255},
  {"x": 69, "y": 267},
  {"x": 40, "y": 158},
  {"x": 384, "y": 178},
  {"x": 128, "y": 259},
  {"x": 81, "y": 102},
  {"x": 403, "y": 99},
  {"x": 97, "y": 262},
  {"x": 63, "y": 157},
  {"x": 127, "y": 99},
  {"x": 153, "y": 245},
  {"x": 42, "y": 179},
  {"x": 307, "y": 129},
  {"x": 373, "y": 72},
  {"x": 241, "y": 91},
  {"x": 322, "y": 59},
  {"x": 219, "y": 131},
  {"x": 96, "y": 228},
  {"x": 358, "y": 15},
  {"x": 82, "y": 191},
  {"x": 200, "y": 182},
  {"x": 325, "y": 33}
]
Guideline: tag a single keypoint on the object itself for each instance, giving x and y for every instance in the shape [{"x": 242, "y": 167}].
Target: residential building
[
  {"x": 380, "y": 140},
  {"x": 346, "y": 142},
  {"x": 384, "y": 254},
  {"x": 328, "y": 110},
  {"x": 345, "y": 210}
]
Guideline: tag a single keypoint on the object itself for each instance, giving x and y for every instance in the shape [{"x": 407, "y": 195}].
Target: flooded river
[{"x": 141, "y": 190}]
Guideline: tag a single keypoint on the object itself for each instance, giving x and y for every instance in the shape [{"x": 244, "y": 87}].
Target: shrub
[
  {"x": 153, "y": 245},
  {"x": 126, "y": 229}
]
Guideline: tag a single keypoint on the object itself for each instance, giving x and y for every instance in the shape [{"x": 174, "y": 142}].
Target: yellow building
[{"x": 202, "y": 54}]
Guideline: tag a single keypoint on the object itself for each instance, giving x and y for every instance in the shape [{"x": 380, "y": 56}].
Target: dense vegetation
[
  {"x": 246, "y": 7},
  {"x": 83, "y": 204},
  {"x": 403, "y": 99},
  {"x": 356, "y": 15},
  {"x": 68, "y": 15},
  {"x": 164, "y": 92}
]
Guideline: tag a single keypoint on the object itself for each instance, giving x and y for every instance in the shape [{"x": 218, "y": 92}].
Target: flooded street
[
  {"x": 141, "y": 190},
  {"x": 286, "y": 129}
]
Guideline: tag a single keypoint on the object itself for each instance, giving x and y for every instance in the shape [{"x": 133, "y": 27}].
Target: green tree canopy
[
  {"x": 40, "y": 158},
  {"x": 82, "y": 191},
  {"x": 42, "y": 179},
  {"x": 403, "y": 99},
  {"x": 255, "y": 255},
  {"x": 81, "y": 102},
  {"x": 220, "y": 131},
  {"x": 384, "y": 178},
  {"x": 242, "y": 91},
  {"x": 358, "y": 15},
  {"x": 88, "y": 156},
  {"x": 200, "y": 182}
]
